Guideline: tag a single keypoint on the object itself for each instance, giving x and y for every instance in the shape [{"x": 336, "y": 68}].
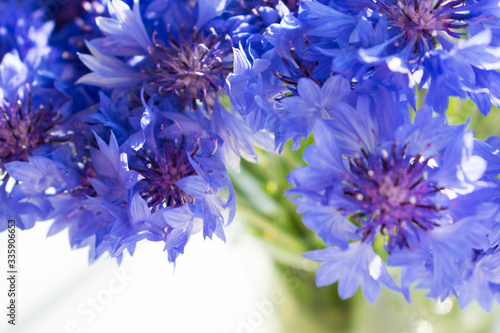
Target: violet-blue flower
[
  {"x": 189, "y": 63},
  {"x": 181, "y": 65},
  {"x": 385, "y": 178},
  {"x": 401, "y": 45},
  {"x": 164, "y": 168},
  {"x": 401, "y": 36}
]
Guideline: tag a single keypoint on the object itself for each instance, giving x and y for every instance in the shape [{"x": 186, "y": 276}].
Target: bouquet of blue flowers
[{"x": 120, "y": 122}]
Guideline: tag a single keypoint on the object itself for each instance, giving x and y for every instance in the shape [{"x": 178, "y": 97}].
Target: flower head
[
  {"x": 181, "y": 65},
  {"x": 193, "y": 67},
  {"x": 448, "y": 46},
  {"x": 185, "y": 63},
  {"x": 420, "y": 41},
  {"x": 389, "y": 180},
  {"x": 423, "y": 23},
  {"x": 25, "y": 127},
  {"x": 393, "y": 195},
  {"x": 162, "y": 183},
  {"x": 163, "y": 170}
]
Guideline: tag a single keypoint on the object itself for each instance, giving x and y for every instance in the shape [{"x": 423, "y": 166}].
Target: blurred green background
[{"x": 271, "y": 218}]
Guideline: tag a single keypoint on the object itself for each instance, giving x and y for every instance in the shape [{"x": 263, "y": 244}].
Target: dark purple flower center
[
  {"x": 420, "y": 21},
  {"x": 392, "y": 195},
  {"x": 22, "y": 130},
  {"x": 161, "y": 173},
  {"x": 193, "y": 68}
]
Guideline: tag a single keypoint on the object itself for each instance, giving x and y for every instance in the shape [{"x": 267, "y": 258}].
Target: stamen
[
  {"x": 24, "y": 128},
  {"x": 161, "y": 170},
  {"x": 192, "y": 68},
  {"x": 383, "y": 185}
]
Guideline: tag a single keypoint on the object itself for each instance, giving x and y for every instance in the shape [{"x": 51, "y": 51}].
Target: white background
[{"x": 215, "y": 287}]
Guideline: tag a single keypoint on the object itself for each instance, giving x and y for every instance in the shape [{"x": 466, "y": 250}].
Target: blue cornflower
[
  {"x": 400, "y": 45},
  {"x": 415, "y": 39},
  {"x": 192, "y": 67},
  {"x": 188, "y": 63},
  {"x": 26, "y": 211},
  {"x": 26, "y": 129},
  {"x": 30, "y": 117},
  {"x": 373, "y": 175},
  {"x": 411, "y": 28},
  {"x": 354, "y": 267},
  {"x": 32, "y": 112},
  {"x": 181, "y": 64},
  {"x": 251, "y": 18},
  {"x": 162, "y": 183},
  {"x": 174, "y": 173},
  {"x": 35, "y": 126}
]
